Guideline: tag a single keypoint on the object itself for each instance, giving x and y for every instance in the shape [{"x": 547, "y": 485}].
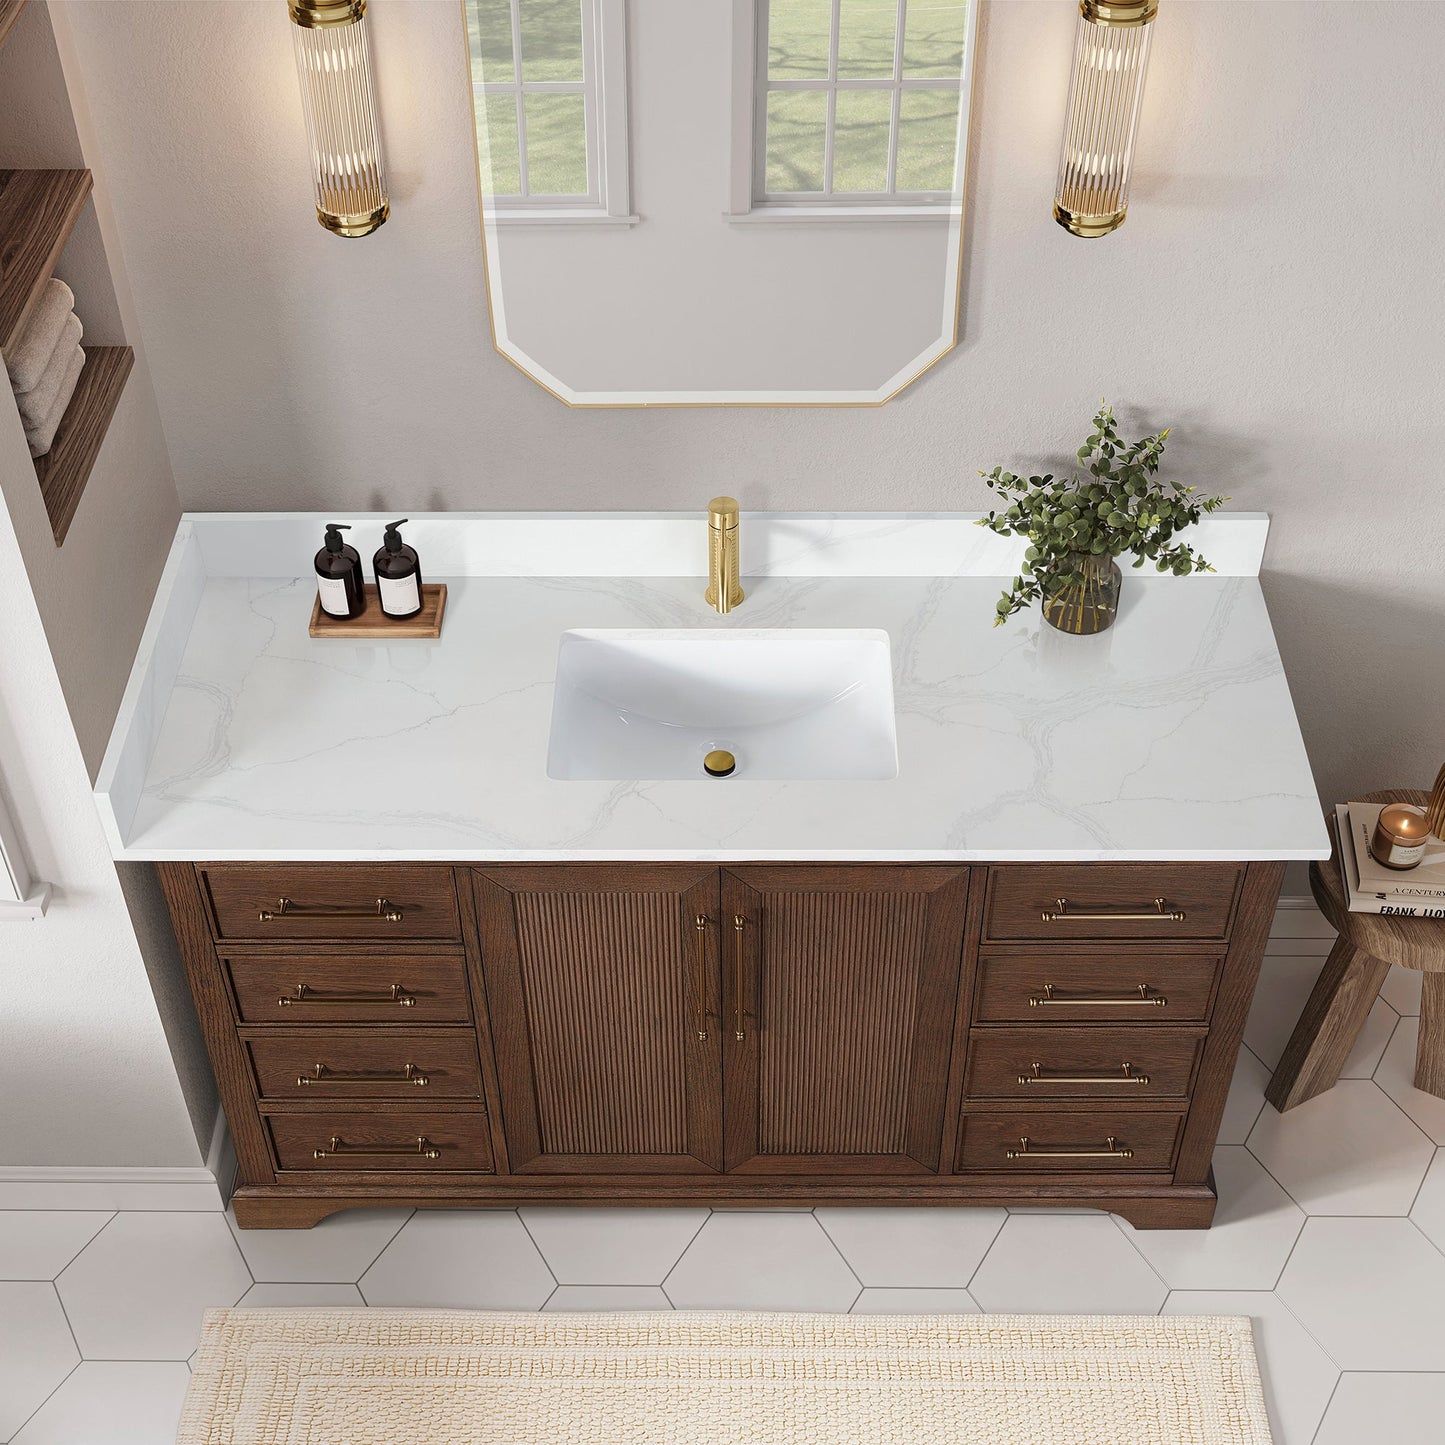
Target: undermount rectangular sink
[{"x": 787, "y": 704}]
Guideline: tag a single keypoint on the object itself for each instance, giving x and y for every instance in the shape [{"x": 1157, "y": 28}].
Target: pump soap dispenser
[
  {"x": 340, "y": 582},
  {"x": 398, "y": 574}
]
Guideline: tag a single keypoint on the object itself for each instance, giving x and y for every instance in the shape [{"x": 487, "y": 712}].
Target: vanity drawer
[
  {"x": 1111, "y": 900},
  {"x": 1079, "y": 1141},
  {"x": 402, "y": 1065},
  {"x": 1099, "y": 1064},
  {"x": 282, "y": 902},
  {"x": 349, "y": 988},
  {"x": 397, "y": 1139},
  {"x": 1140, "y": 986}
]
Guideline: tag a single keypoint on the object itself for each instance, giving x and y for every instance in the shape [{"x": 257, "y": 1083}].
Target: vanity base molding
[
  {"x": 648, "y": 1034},
  {"x": 1163, "y": 1206}
]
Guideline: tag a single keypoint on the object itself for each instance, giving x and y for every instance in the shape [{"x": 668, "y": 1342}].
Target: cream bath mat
[{"x": 449, "y": 1377}]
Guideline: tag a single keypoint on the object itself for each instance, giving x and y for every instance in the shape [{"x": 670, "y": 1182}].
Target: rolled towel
[
  {"x": 35, "y": 345},
  {"x": 41, "y": 437},
  {"x": 35, "y": 404}
]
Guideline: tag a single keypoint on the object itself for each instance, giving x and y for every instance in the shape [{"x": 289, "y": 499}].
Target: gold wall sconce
[
  {"x": 1106, "y": 91},
  {"x": 333, "y": 62}
]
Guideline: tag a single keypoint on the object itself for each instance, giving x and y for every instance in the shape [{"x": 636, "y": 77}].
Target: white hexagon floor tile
[
  {"x": 314, "y": 1294},
  {"x": 138, "y": 1289},
  {"x": 608, "y": 1297},
  {"x": 1393, "y": 1409},
  {"x": 1396, "y": 1076},
  {"x": 1255, "y": 1227},
  {"x": 1347, "y": 1151},
  {"x": 915, "y": 1302},
  {"x": 39, "y": 1243},
  {"x": 1402, "y": 990},
  {"x": 1279, "y": 998},
  {"x": 107, "y": 1402},
  {"x": 1065, "y": 1264},
  {"x": 1428, "y": 1212},
  {"x": 1245, "y": 1101},
  {"x": 338, "y": 1250},
  {"x": 460, "y": 1259},
  {"x": 762, "y": 1261},
  {"x": 36, "y": 1350},
  {"x": 912, "y": 1248},
  {"x": 612, "y": 1246},
  {"x": 1297, "y": 1374},
  {"x": 1371, "y": 1291}
]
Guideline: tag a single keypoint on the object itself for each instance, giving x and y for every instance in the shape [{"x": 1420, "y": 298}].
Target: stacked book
[{"x": 1417, "y": 892}]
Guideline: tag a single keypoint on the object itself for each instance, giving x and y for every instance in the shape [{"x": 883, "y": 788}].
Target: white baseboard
[
  {"x": 1299, "y": 928},
  {"x": 203, "y": 1188}
]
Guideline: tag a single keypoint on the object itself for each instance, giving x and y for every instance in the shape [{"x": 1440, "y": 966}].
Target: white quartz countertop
[{"x": 1171, "y": 736}]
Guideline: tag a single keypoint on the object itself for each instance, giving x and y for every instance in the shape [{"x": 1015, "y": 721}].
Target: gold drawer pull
[
  {"x": 424, "y": 1148},
  {"x": 320, "y": 1074},
  {"x": 701, "y": 977},
  {"x": 1144, "y": 996},
  {"x": 285, "y": 908},
  {"x": 1126, "y": 1075},
  {"x": 739, "y": 923},
  {"x": 1050, "y": 1151},
  {"x": 304, "y": 994},
  {"x": 1061, "y": 914}
]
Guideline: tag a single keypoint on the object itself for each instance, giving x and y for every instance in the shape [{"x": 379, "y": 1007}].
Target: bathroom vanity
[{"x": 431, "y": 972}]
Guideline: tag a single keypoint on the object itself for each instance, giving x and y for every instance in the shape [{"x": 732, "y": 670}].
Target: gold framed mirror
[{"x": 749, "y": 202}]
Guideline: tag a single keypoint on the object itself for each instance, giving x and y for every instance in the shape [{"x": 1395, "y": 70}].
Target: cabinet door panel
[
  {"x": 595, "y": 978},
  {"x": 842, "y": 983}
]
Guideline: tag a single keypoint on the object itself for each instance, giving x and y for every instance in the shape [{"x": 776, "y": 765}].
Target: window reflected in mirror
[
  {"x": 858, "y": 101},
  {"x": 714, "y": 202}
]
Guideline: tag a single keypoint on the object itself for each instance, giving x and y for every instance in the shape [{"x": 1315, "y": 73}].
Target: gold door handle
[
  {"x": 739, "y": 923},
  {"x": 1103, "y": 1000},
  {"x": 306, "y": 994},
  {"x": 1060, "y": 914},
  {"x": 424, "y": 1148},
  {"x": 1067, "y": 1151},
  {"x": 285, "y": 908},
  {"x": 1126, "y": 1075},
  {"x": 320, "y": 1074},
  {"x": 701, "y": 977}
]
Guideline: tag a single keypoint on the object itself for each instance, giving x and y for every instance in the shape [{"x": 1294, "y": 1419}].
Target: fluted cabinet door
[
  {"x": 602, "y": 997},
  {"x": 839, "y": 993}
]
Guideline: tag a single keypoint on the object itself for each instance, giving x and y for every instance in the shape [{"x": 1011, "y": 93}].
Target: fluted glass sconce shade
[
  {"x": 1106, "y": 90},
  {"x": 333, "y": 61}
]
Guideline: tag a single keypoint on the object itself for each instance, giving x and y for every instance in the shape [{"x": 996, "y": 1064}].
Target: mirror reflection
[{"x": 756, "y": 201}]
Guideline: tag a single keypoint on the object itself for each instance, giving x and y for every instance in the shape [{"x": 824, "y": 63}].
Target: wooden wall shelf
[
  {"x": 64, "y": 470},
  {"x": 38, "y": 211},
  {"x": 9, "y": 14}
]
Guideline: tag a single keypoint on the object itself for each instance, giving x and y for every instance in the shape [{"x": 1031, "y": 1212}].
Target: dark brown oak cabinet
[{"x": 653, "y": 1033}]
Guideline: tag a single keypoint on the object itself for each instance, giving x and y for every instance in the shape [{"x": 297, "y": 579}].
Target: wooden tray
[{"x": 375, "y": 623}]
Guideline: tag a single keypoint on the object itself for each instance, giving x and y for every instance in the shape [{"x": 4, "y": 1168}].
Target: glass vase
[{"x": 1088, "y": 599}]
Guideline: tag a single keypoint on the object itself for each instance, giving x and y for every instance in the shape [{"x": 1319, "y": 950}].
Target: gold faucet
[{"x": 723, "y": 589}]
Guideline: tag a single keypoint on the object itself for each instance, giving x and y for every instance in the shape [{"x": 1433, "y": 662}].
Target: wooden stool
[{"x": 1350, "y": 981}]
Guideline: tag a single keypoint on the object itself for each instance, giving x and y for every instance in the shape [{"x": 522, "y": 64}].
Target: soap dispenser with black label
[
  {"x": 340, "y": 582},
  {"x": 398, "y": 574}
]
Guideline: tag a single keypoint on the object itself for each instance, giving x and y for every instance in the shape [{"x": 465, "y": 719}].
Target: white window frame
[
  {"x": 604, "y": 91},
  {"x": 748, "y": 201}
]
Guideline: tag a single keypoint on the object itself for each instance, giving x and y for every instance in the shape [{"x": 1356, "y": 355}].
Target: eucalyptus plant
[{"x": 1121, "y": 506}]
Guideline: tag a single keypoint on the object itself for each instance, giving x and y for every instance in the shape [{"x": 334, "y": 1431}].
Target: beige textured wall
[{"x": 1275, "y": 296}]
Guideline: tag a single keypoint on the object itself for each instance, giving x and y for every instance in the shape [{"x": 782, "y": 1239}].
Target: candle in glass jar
[{"x": 1399, "y": 837}]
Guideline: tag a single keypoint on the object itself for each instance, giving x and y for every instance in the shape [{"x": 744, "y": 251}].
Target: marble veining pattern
[{"x": 1170, "y": 736}]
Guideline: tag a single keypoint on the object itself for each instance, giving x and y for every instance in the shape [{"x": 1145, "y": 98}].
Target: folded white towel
[
  {"x": 41, "y": 437},
  {"x": 35, "y": 345},
  {"x": 35, "y": 404}
]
